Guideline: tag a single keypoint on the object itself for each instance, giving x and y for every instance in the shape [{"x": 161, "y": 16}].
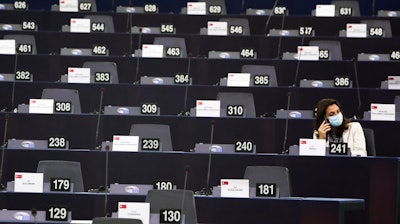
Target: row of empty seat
[
  {"x": 336, "y": 50},
  {"x": 274, "y": 40}
]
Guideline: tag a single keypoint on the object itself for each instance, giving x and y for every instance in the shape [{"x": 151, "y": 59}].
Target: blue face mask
[{"x": 336, "y": 120}]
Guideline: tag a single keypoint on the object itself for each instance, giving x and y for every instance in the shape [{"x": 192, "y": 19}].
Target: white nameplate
[
  {"x": 196, "y": 8},
  {"x": 325, "y": 11},
  {"x": 68, "y": 5},
  {"x": 356, "y": 30},
  {"x": 235, "y": 188},
  {"x": 393, "y": 82},
  {"x": 7, "y": 47},
  {"x": 216, "y": 28},
  {"x": 80, "y": 25},
  {"x": 152, "y": 51},
  {"x": 41, "y": 106},
  {"x": 134, "y": 210},
  {"x": 208, "y": 108},
  {"x": 28, "y": 182},
  {"x": 308, "y": 53},
  {"x": 125, "y": 143},
  {"x": 383, "y": 112},
  {"x": 238, "y": 79},
  {"x": 78, "y": 75},
  {"x": 312, "y": 147}
]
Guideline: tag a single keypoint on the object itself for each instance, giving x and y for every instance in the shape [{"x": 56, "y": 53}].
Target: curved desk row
[
  {"x": 374, "y": 179},
  {"x": 53, "y": 21},
  {"x": 203, "y": 71}
]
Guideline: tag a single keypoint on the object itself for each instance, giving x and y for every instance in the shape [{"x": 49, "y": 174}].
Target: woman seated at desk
[{"x": 330, "y": 124}]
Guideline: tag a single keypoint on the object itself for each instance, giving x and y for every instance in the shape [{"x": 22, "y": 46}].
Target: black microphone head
[
  {"x": 34, "y": 211},
  {"x": 187, "y": 168},
  {"x": 212, "y": 122},
  {"x": 289, "y": 94},
  {"x": 102, "y": 89}
]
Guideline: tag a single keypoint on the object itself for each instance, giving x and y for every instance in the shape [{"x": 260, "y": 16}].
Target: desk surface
[
  {"x": 209, "y": 209},
  {"x": 333, "y": 177}
]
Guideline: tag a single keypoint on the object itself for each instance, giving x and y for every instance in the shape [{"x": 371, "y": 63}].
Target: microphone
[
  {"x": 357, "y": 87},
  {"x": 138, "y": 58},
  {"x": 34, "y": 213},
  {"x": 187, "y": 167},
  {"x": 269, "y": 17},
  {"x": 106, "y": 186},
  {"x": 130, "y": 34},
  {"x": 3, "y": 151},
  {"x": 373, "y": 7},
  {"x": 298, "y": 63},
  {"x": 281, "y": 36},
  {"x": 242, "y": 7},
  {"x": 207, "y": 190},
  {"x": 284, "y": 150},
  {"x": 185, "y": 112},
  {"x": 98, "y": 118},
  {"x": 13, "y": 85}
]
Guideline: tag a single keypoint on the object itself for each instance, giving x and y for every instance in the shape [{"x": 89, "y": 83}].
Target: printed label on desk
[
  {"x": 325, "y": 11},
  {"x": 345, "y": 11},
  {"x": 29, "y": 25},
  {"x": 395, "y": 55},
  {"x": 28, "y": 182},
  {"x": 150, "y": 8},
  {"x": 41, "y": 106},
  {"x": 312, "y": 147},
  {"x": 383, "y": 112},
  {"x": 235, "y": 111},
  {"x": 341, "y": 81},
  {"x": 181, "y": 78},
  {"x": 125, "y": 143},
  {"x": 217, "y": 28},
  {"x": 167, "y": 28},
  {"x": 78, "y": 25},
  {"x": 208, "y": 108},
  {"x": 22, "y": 76},
  {"x": 338, "y": 148},
  {"x": 393, "y": 82},
  {"x": 196, "y": 8},
  {"x": 20, "y": 5},
  {"x": 244, "y": 146},
  {"x": 308, "y": 53},
  {"x": 68, "y": 5},
  {"x": 170, "y": 216},
  {"x": 56, "y": 142},
  {"x": 60, "y": 184},
  {"x": 57, "y": 213},
  {"x": 99, "y": 50},
  {"x": 78, "y": 75},
  {"x": 151, "y": 144},
  {"x": 134, "y": 210},
  {"x": 163, "y": 185},
  {"x": 266, "y": 190},
  {"x": 85, "y": 6},
  {"x": 152, "y": 51},
  {"x": 238, "y": 80},
  {"x": 7, "y": 47},
  {"x": 356, "y": 30},
  {"x": 235, "y": 188}
]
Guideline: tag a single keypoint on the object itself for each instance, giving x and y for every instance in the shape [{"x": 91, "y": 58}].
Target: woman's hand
[{"x": 323, "y": 129}]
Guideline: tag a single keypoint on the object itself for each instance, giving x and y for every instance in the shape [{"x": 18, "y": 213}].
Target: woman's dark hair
[{"x": 320, "y": 111}]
